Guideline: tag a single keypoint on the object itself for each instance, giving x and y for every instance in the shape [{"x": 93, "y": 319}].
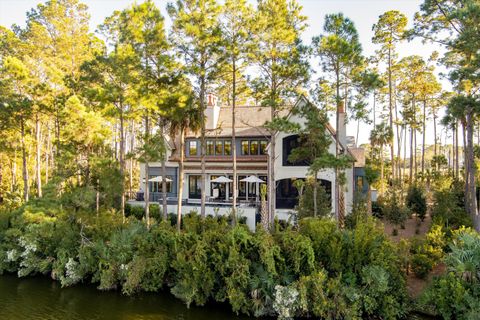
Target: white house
[{"x": 252, "y": 160}]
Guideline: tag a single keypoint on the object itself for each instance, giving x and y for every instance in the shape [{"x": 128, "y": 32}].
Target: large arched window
[{"x": 289, "y": 144}]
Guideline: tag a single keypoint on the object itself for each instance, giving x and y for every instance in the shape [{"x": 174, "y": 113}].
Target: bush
[
  {"x": 395, "y": 212},
  {"x": 416, "y": 201},
  {"x": 318, "y": 270},
  {"x": 377, "y": 209},
  {"x": 456, "y": 295},
  {"x": 305, "y": 206},
  {"x": 448, "y": 210},
  {"x": 421, "y": 265}
]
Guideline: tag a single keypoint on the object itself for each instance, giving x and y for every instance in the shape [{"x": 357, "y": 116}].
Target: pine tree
[
  {"x": 282, "y": 68},
  {"x": 196, "y": 35},
  {"x": 340, "y": 52}
]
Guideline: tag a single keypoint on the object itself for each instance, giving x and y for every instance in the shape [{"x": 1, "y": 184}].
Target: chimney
[
  {"x": 212, "y": 112},
  {"x": 342, "y": 125},
  {"x": 212, "y": 100}
]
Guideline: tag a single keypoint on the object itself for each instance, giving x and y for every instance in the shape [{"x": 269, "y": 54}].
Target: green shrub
[
  {"x": 421, "y": 265},
  {"x": 416, "y": 201},
  {"x": 317, "y": 270},
  {"x": 448, "y": 210},
  {"x": 456, "y": 295},
  {"x": 305, "y": 206}
]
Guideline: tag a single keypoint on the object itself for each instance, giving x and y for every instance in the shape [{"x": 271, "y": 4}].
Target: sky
[{"x": 364, "y": 13}]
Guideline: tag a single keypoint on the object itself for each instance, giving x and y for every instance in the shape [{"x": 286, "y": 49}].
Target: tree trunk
[
  {"x": 465, "y": 164},
  {"x": 423, "y": 136},
  {"x": 97, "y": 198},
  {"x": 147, "y": 174},
  {"x": 415, "y": 153},
  {"x": 457, "y": 162},
  {"x": 435, "y": 133},
  {"x": 47, "y": 154},
  {"x": 14, "y": 170},
  {"x": 381, "y": 169},
  {"x": 271, "y": 181},
  {"x": 1, "y": 181},
  {"x": 369, "y": 199},
  {"x": 38, "y": 156},
  {"x": 404, "y": 151},
  {"x": 315, "y": 190},
  {"x": 122, "y": 163},
  {"x": 164, "y": 175},
  {"x": 396, "y": 166},
  {"x": 411, "y": 156},
  {"x": 233, "y": 147},
  {"x": 390, "y": 108},
  {"x": 203, "y": 184},
  {"x": 470, "y": 169},
  {"x": 132, "y": 148},
  {"x": 180, "y": 178},
  {"x": 338, "y": 198},
  {"x": 26, "y": 189}
]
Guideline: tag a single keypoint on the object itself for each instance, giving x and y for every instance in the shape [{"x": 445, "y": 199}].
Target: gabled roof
[{"x": 331, "y": 130}]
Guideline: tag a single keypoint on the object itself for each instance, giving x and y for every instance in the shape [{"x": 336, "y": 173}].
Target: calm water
[{"x": 40, "y": 298}]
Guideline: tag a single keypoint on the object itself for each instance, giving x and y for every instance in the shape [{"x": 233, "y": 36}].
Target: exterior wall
[{"x": 287, "y": 172}]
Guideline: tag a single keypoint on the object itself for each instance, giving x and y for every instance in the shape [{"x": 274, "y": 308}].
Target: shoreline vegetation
[{"x": 313, "y": 270}]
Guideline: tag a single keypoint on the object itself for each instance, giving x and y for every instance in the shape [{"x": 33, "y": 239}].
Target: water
[{"x": 40, "y": 298}]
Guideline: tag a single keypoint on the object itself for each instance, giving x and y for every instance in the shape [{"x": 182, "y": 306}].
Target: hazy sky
[{"x": 364, "y": 13}]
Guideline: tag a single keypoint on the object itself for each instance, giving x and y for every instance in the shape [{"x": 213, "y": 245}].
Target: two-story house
[{"x": 252, "y": 145}]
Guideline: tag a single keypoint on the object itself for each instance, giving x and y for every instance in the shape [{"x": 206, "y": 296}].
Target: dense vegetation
[{"x": 314, "y": 269}]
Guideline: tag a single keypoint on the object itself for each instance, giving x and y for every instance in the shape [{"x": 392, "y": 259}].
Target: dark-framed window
[
  {"x": 192, "y": 148},
  {"x": 210, "y": 148},
  {"x": 263, "y": 146},
  {"x": 194, "y": 190},
  {"x": 245, "y": 147},
  {"x": 219, "y": 147},
  {"x": 289, "y": 144},
  {"x": 254, "y": 147},
  {"x": 227, "y": 147}
]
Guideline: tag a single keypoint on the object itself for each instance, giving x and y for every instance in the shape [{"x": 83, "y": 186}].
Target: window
[
  {"x": 245, "y": 147},
  {"x": 263, "y": 146},
  {"x": 219, "y": 147},
  {"x": 290, "y": 143},
  {"x": 209, "y": 148},
  {"x": 194, "y": 191},
  {"x": 227, "y": 148},
  {"x": 157, "y": 186},
  {"x": 192, "y": 148},
  {"x": 359, "y": 183},
  {"x": 254, "y": 147}
]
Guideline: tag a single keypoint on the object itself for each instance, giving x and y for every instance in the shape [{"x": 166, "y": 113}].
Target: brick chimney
[{"x": 212, "y": 112}]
